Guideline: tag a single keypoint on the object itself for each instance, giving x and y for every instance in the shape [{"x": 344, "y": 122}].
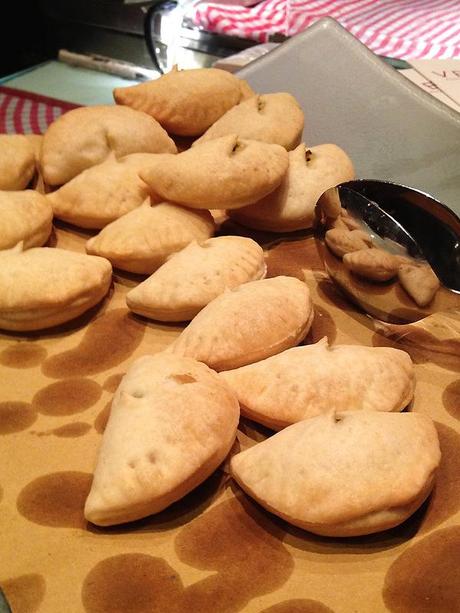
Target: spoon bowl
[{"x": 394, "y": 250}]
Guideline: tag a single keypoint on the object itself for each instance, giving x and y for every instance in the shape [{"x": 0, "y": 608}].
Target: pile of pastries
[
  {"x": 145, "y": 175},
  {"x": 362, "y": 254}
]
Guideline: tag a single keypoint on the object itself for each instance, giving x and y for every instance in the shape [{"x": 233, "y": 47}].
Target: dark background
[
  {"x": 24, "y": 35},
  {"x": 33, "y": 31}
]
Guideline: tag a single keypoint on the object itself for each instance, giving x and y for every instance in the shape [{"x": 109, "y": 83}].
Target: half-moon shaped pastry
[
  {"x": 44, "y": 287},
  {"x": 26, "y": 216},
  {"x": 419, "y": 281},
  {"x": 224, "y": 173},
  {"x": 247, "y": 324},
  {"x": 142, "y": 240},
  {"x": 373, "y": 264},
  {"x": 291, "y": 205},
  {"x": 100, "y": 194},
  {"x": 35, "y": 140},
  {"x": 87, "y": 136},
  {"x": 345, "y": 474},
  {"x": 17, "y": 162},
  {"x": 185, "y": 102},
  {"x": 270, "y": 118},
  {"x": 172, "y": 422},
  {"x": 342, "y": 240},
  {"x": 306, "y": 381},
  {"x": 193, "y": 277}
]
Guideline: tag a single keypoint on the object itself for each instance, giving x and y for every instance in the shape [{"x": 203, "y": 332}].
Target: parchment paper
[{"x": 216, "y": 550}]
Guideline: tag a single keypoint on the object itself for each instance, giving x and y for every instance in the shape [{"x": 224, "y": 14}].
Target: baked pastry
[
  {"x": 26, "y": 216},
  {"x": 291, "y": 206},
  {"x": 247, "y": 324},
  {"x": 343, "y": 474},
  {"x": 100, "y": 194},
  {"x": 185, "y": 102},
  {"x": 86, "y": 136},
  {"x": 224, "y": 173},
  {"x": 193, "y": 277},
  {"x": 419, "y": 281},
  {"x": 17, "y": 162},
  {"x": 373, "y": 264},
  {"x": 270, "y": 118},
  {"x": 246, "y": 90},
  {"x": 143, "y": 239},
  {"x": 172, "y": 422},
  {"x": 44, "y": 287},
  {"x": 351, "y": 222},
  {"x": 35, "y": 140},
  {"x": 329, "y": 208},
  {"x": 343, "y": 221},
  {"x": 342, "y": 240},
  {"x": 306, "y": 381}
]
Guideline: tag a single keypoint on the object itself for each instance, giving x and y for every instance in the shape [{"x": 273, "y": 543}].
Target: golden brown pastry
[
  {"x": 419, "y": 281},
  {"x": 246, "y": 90},
  {"x": 17, "y": 162},
  {"x": 35, "y": 140},
  {"x": 142, "y": 240},
  {"x": 330, "y": 206},
  {"x": 100, "y": 194},
  {"x": 44, "y": 287},
  {"x": 291, "y": 206},
  {"x": 270, "y": 118},
  {"x": 25, "y": 216},
  {"x": 224, "y": 173},
  {"x": 191, "y": 278},
  {"x": 343, "y": 474},
  {"x": 342, "y": 240},
  {"x": 247, "y": 324},
  {"x": 186, "y": 102},
  {"x": 306, "y": 381},
  {"x": 349, "y": 221},
  {"x": 172, "y": 422},
  {"x": 87, "y": 136},
  {"x": 373, "y": 264}
]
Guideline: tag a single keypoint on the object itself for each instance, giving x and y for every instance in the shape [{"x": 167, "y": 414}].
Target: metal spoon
[{"x": 412, "y": 227}]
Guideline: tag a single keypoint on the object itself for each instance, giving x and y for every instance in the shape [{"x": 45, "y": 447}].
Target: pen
[{"x": 109, "y": 65}]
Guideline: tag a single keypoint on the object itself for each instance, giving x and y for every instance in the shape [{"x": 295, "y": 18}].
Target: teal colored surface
[
  {"x": 20, "y": 73},
  {"x": 4, "y": 607},
  {"x": 69, "y": 83}
]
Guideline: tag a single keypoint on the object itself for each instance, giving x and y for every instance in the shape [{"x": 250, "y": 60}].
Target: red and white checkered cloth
[
  {"x": 404, "y": 29},
  {"x": 24, "y": 112}
]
